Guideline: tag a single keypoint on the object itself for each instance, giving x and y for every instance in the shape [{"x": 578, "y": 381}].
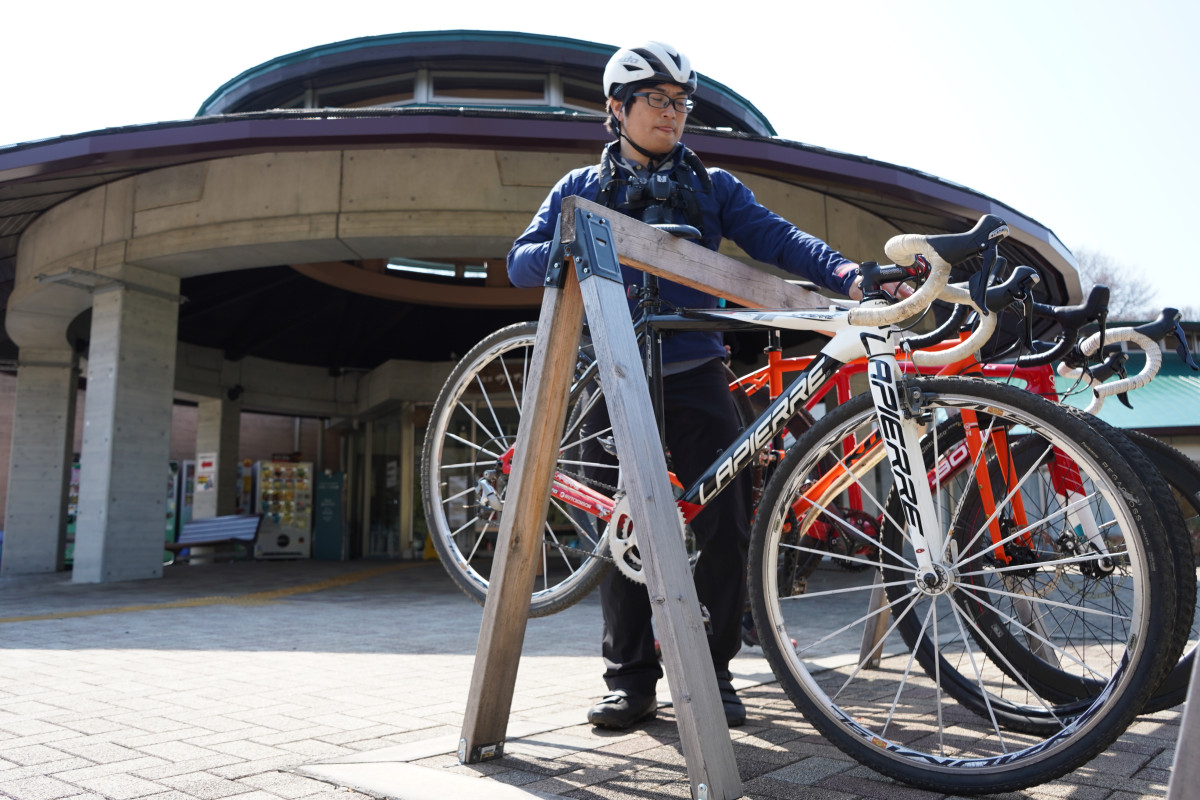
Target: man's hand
[{"x": 898, "y": 290}]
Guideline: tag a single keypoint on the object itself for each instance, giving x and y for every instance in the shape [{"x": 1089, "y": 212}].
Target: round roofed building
[{"x": 321, "y": 242}]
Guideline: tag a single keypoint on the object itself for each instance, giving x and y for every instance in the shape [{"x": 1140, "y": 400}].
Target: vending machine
[{"x": 285, "y": 494}]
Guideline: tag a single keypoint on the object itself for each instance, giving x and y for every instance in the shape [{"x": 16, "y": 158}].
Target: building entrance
[{"x": 387, "y": 520}]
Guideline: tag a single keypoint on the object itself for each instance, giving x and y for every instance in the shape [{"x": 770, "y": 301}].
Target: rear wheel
[
  {"x": 1024, "y": 655},
  {"x": 1182, "y": 476},
  {"x": 1038, "y": 653},
  {"x": 464, "y": 481}
]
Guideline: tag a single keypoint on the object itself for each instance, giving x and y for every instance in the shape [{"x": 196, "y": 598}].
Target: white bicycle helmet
[{"x": 652, "y": 61}]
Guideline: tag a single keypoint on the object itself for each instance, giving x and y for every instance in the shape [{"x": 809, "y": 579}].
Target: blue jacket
[{"x": 728, "y": 210}]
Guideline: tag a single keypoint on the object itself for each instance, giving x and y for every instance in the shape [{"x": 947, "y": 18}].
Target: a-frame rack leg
[
  {"x": 519, "y": 541},
  {"x": 712, "y": 769}
]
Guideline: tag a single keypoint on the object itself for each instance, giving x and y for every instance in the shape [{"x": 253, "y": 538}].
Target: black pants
[{"x": 701, "y": 421}]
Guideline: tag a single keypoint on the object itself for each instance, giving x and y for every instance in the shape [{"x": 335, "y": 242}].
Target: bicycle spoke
[
  {"x": 912, "y": 657},
  {"x": 474, "y": 446},
  {"x": 991, "y": 711},
  {"x": 580, "y": 530},
  {"x": 487, "y": 400},
  {"x": 483, "y": 426},
  {"x": 859, "y": 621},
  {"x": 847, "y": 590},
  {"x": 1056, "y": 562},
  {"x": 1054, "y": 603},
  {"x": 826, "y": 510},
  {"x": 1029, "y": 631}
]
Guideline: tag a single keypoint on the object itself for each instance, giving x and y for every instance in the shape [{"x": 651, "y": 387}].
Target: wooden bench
[{"x": 213, "y": 531}]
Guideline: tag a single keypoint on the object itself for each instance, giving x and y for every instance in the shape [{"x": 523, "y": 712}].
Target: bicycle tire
[
  {"x": 470, "y": 427},
  {"x": 1019, "y": 654},
  {"x": 1182, "y": 475},
  {"x": 927, "y": 740}
]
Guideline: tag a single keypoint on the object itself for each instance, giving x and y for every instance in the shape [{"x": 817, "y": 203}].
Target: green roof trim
[{"x": 518, "y": 39}]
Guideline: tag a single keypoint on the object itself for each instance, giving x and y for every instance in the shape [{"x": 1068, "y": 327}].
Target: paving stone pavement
[{"x": 322, "y": 680}]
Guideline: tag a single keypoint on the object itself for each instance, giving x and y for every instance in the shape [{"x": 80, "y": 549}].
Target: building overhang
[{"x": 38, "y": 175}]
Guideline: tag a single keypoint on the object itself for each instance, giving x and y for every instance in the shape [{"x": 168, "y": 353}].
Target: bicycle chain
[
  {"x": 566, "y": 548},
  {"x": 595, "y": 484}
]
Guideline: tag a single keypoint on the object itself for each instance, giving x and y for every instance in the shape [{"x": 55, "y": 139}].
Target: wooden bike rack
[{"x": 585, "y": 278}]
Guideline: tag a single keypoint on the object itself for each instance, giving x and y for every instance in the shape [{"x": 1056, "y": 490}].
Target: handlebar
[
  {"x": 1071, "y": 318},
  {"x": 995, "y": 298},
  {"x": 940, "y": 252},
  {"x": 1145, "y": 336}
]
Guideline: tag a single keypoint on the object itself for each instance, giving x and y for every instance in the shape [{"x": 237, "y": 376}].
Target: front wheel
[{"x": 853, "y": 675}]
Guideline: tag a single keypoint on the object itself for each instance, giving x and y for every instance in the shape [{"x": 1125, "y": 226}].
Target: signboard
[
  {"x": 328, "y": 532},
  {"x": 206, "y": 472}
]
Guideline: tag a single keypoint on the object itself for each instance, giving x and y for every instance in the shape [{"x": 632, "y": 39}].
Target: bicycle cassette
[{"x": 622, "y": 541}]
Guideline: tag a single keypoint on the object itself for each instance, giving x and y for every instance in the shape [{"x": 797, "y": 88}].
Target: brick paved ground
[{"x": 311, "y": 680}]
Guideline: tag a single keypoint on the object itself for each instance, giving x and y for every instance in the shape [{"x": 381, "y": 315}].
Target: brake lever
[
  {"x": 1182, "y": 348},
  {"x": 1113, "y": 364},
  {"x": 980, "y": 281},
  {"x": 1124, "y": 396},
  {"x": 1028, "y": 331}
]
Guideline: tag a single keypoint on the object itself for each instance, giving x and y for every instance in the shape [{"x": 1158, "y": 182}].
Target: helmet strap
[{"x": 655, "y": 158}]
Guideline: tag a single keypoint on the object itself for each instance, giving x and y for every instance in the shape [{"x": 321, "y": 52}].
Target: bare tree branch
[{"x": 1132, "y": 295}]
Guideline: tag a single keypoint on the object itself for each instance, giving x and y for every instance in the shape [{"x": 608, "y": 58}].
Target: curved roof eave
[
  {"x": 53, "y": 170},
  {"x": 418, "y": 46},
  {"x": 422, "y": 47}
]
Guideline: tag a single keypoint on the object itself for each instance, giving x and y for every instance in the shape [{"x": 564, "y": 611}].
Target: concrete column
[
  {"x": 217, "y": 431},
  {"x": 127, "y": 430},
  {"x": 35, "y": 524}
]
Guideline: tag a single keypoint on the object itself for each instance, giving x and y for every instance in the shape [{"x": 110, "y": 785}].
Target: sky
[{"x": 1080, "y": 115}]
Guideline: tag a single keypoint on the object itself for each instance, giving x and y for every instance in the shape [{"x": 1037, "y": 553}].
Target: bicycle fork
[{"x": 898, "y": 413}]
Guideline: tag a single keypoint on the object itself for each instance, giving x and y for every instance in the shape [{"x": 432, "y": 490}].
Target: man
[{"x": 649, "y": 175}]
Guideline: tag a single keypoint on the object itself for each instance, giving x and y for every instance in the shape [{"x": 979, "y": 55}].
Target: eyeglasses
[{"x": 683, "y": 105}]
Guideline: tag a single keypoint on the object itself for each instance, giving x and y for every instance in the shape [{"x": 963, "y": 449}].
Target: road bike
[
  {"x": 895, "y": 718},
  {"x": 468, "y": 454}
]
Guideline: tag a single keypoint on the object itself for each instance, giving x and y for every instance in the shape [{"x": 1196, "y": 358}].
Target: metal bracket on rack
[{"x": 594, "y": 250}]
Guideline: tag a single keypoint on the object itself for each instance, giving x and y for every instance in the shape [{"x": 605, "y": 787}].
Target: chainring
[{"x": 622, "y": 541}]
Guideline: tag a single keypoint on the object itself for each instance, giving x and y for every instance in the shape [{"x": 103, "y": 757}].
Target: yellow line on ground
[{"x": 255, "y": 598}]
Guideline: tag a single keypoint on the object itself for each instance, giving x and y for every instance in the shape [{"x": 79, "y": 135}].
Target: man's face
[{"x": 656, "y": 129}]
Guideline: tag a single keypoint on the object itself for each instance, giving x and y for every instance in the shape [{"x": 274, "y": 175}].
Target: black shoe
[
  {"x": 749, "y": 632},
  {"x": 619, "y": 709},
  {"x": 750, "y": 636},
  {"x": 735, "y": 712}
]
